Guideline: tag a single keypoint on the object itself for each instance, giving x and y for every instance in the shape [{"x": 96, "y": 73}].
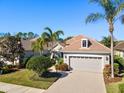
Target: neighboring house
[
  {"x": 28, "y": 52},
  {"x": 55, "y": 48},
  {"x": 85, "y": 54},
  {"x": 58, "y": 47},
  {"x": 119, "y": 49},
  {"x": 27, "y": 47}
]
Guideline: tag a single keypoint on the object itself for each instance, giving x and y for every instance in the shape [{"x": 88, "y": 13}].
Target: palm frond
[
  {"x": 59, "y": 32},
  {"x": 49, "y": 30},
  {"x": 100, "y": 2},
  {"x": 45, "y": 35},
  {"x": 119, "y": 9},
  {"x": 93, "y": 17},
  {"x": 122, "y": 19}
]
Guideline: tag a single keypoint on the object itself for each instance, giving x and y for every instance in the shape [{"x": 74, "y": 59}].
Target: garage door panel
[{"x": 93, "y": 64}]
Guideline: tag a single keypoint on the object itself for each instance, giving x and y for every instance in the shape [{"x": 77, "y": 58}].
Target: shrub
[
  {"x": 25, "y": 60},
  {"x": 39, "y": 64},
  {"x": 116, "y": 69},
  {"x": 118, "y": 59},
  {"x": 8, "y": 69},
  {"x": 121, "y": 88},
  {"x": 107, "y": 71},
  {"x": 61, "y": 67},
  {"x": 60, "y": 61}
]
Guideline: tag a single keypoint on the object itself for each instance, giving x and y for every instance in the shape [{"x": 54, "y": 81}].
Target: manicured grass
[
  {"x": 114, "y": 87},
  {"x": 23, "y": 77},
  {"x": 2, "y": 92}
]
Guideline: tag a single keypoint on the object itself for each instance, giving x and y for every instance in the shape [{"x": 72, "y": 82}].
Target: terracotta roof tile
[
  {"x": 74, "y": 45},
  {"x": 119, "y": 46}
]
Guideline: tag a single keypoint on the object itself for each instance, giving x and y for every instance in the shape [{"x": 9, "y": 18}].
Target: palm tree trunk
[
  {"x": 111, "y": 29},
  {"x": 112, "y": 56}
]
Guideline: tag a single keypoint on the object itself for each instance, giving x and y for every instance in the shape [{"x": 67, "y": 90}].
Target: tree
[
  {"x": 51, "y": 36},
  {"x": 39, "y": 64},
  {"x": 11, "y": 48},
  {"x": 38, "y": 45},
  {"x": 19, "y": 35},
  {"x": 112, "y": 9},
  {"x": 25, "y": 36},
  {"x": 107, "y": 41},
  {"x": 30, "y": 35},
  {"x": 7, "y": 34}
]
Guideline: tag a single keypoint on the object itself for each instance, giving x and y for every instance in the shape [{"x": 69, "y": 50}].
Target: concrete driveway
[{"x": 79, "y": 82}]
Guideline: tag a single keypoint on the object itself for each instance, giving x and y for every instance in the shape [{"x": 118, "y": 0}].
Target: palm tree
[
  {"x": 19, "y": 35},
  {"x": 24, "y": 36},
  {"x": 30, "y": 35},
  {"x": 38, "y": 45},
  {"x": 51, "y": 37},
  {"x": 112, "y": 10}
]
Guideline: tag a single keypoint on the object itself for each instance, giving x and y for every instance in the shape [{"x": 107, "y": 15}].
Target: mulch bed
[{"x": 112, "y": 80}]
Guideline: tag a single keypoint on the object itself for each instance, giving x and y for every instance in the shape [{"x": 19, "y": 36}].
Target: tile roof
[
  {"x": 26, "y": 44},
  {"x": 119, "y": 46},
  {"x": 74, "y": 45}
]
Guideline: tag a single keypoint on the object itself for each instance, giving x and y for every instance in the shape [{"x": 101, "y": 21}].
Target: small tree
[
  {"x": 11, "y": 48},
  {"x": 39, "y": 64}
]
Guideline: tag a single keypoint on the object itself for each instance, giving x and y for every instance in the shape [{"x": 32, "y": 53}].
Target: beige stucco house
[
  {"x": 86, "y": 54},
  {"x": 119, "y": 49}
]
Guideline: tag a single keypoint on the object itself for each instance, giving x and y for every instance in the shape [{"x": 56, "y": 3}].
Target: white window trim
[{"x": 82, "y": 43}]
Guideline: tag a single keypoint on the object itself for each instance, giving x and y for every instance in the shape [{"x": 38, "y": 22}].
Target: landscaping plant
[
  {"x": 116, "y": 69},
  {"x": 39, "y": 64},
  {"x": 60, "y": 65}
]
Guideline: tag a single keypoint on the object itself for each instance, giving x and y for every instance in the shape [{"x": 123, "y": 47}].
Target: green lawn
[
  {"x": 23, "y": 78},
  {"x": 114, "y": 87},
  {"x": 2, "y": 92}
]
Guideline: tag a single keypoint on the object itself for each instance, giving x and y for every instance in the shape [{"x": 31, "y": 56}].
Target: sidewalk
[{"x": 12, "y": 88}]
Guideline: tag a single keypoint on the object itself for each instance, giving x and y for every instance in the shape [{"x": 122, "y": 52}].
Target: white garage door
[{"x": 93, "y": 64}]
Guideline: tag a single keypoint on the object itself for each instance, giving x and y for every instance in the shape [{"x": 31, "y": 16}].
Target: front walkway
[
  {"x": 11, "y": 88},
  {"x": 79, "y": 82}
]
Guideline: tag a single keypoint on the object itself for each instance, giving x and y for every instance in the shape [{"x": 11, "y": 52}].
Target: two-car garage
[
  {"x": 90, "y": 63},
  {"x": 86, "y": 63}
]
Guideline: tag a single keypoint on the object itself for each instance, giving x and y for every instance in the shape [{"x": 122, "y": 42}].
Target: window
[
  {"x": 107, "y": 58},
  {"x": 65, "y": 57},
  {"x": 84, "y": 43}
]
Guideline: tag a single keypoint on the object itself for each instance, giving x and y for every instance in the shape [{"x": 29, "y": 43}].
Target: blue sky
[{"x": 67, "y": 15}]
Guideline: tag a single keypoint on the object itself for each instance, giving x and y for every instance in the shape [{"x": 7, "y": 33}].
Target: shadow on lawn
[{"x": 49, "y": 76}]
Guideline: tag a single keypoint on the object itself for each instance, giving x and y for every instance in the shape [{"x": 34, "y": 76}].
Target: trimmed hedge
[
  {"x": 39, "y": 64},
  {"x": 25, "y": 60}
]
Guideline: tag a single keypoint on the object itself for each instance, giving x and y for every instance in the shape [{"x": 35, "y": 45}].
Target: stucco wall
[{"x": 120, "y": 53}]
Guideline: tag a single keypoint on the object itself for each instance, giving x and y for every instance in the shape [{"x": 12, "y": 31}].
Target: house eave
[{"x": 88, "y": 52}]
